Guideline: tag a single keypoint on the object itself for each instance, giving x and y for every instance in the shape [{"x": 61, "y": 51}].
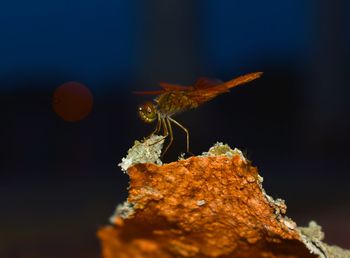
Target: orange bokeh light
[{"x": 72, "y": 101}]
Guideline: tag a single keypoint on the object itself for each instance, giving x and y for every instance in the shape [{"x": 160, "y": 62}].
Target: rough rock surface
[{"x": 206, "y": 206}]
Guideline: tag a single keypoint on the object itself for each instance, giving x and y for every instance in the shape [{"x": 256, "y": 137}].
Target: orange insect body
[
  {"x": 172, "y": 102},
  {"x": 173, "y": 99}
]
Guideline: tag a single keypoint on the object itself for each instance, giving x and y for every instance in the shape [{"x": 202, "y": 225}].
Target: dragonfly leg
[
  {"x": 170, "y": 132},
  {"x": 158, "y": 127},
  {"x": 167, "y": 131},
  {"x": 165, "y": 128},
  {"x": 161, "y": 123},
  {"x": 186, "y": 131}
]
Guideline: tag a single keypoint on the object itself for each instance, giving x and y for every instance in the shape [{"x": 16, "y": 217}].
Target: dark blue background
[{"x": 60, "y": 181}]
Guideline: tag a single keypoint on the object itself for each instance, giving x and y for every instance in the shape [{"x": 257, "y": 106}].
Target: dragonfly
[{"x": 173, "y": 99}]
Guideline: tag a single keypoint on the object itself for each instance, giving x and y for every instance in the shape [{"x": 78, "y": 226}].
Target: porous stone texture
[{"x": 206, "y": 206}]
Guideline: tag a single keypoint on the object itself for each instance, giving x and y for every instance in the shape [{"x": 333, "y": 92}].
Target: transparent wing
[
  {"x": 207, "y": 90},
  {"x": 169, "y": 87},
  {"x": 205, "y": 83}
]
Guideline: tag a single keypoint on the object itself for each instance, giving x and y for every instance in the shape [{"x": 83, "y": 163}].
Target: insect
[{"x": 173, "y": 99}]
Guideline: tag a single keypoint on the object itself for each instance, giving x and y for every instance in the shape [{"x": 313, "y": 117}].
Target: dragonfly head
[{"x": 148, "y": 112}]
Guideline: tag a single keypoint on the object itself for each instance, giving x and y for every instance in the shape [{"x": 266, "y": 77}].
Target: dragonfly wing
[
  {"x": 206, "y": 90},
  {"x": 169, "y": 87},
  {"x": 201, "y": 96},
  {"x": 242, "y": 79},
  {"x": 166, "y": 87},
  {"x": 205, "y": 83}
]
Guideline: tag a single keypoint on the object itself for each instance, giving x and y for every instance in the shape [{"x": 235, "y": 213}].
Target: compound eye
[{"x": 147, "y": 112}]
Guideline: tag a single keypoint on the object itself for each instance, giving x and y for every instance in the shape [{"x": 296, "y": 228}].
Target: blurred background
[{"x": 59, "y": 179}]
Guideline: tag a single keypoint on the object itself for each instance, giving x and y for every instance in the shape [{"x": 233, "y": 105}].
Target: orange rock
[{"x": 206, "y": 206}]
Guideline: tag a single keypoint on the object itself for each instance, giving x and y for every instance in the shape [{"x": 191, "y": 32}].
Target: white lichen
[
  {"x": 313, "y": 231},
  {"x": 221, "y": 149},
  {"x": 289, "y": 223},
  {"x": 146, "y": 151},
  {"x": 181, "y": 156},
  {"x": 201, "y": 202},
  {"x": 124, "y": 211},
  {"x": 312, "y": 237}
]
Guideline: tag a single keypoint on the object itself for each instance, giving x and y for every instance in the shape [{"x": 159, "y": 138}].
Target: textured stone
[{"x": 207, "y": 206}]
